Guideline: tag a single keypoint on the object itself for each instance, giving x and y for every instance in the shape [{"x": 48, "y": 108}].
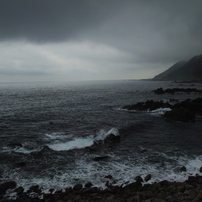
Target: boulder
[
  {"x": 183, "y": 169},
  {"x": 112, "y": 138},
  {"x": 7, "y": 185},
  {"x": 109, "y": 177},
  {"x": 88, "y": 184},
  {"x": 159, "y": 91},
  {"x": 200, "y": 169},
  {"x": 138, "y": 179},
  {"x": 35, "y": 189},
  {"x": 147, "y": 178},
  {"x": 19, "y": 190},
  {"x": 77, "y": 187}
]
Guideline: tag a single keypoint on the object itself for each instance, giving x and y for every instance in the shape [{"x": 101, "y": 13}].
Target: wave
[
  {"x": 82, "y": 142},
  {"x": 58, "y": 135},
  {"x": 159, "y": 111}
]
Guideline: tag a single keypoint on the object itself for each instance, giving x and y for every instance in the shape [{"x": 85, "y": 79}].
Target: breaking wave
[{"x": 82, "y": 142}]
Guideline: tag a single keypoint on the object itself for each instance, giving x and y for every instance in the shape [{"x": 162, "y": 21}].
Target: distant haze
[{"x": 49, "y": 40}]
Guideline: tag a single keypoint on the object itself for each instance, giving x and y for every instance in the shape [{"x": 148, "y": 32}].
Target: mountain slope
[
  {"x": 183, "y": 71},
  {"x": 173, "y": 68}
]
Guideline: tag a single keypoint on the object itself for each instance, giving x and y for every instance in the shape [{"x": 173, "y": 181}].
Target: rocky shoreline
[
  {"x": 185, "y": 111},
  {"x": 190, "y": 190}
]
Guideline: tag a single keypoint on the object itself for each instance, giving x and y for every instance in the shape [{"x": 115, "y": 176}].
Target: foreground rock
[{"x": 190, "y": 190}]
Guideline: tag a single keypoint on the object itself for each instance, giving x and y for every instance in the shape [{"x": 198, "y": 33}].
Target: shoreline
[{"x": 189, "y": 190}]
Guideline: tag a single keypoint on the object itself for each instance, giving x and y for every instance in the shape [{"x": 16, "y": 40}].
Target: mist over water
[{"x": 50, "y": 133}]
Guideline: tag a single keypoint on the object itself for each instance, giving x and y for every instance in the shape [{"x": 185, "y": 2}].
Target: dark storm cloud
[
  {"x": 48, "y": 20},
  {"x": 120, "y": 34}
]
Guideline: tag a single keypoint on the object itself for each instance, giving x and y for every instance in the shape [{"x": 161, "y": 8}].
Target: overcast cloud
[{"x": 43, "y": 40}]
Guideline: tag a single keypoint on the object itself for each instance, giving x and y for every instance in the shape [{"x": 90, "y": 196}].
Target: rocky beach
[{"x": 164, "y": 191}]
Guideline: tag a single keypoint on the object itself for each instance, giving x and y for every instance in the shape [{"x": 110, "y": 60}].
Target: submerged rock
[{"x": 100, "y": 158}]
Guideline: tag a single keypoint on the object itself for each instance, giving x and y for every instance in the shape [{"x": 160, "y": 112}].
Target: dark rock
[
  {"x": 147, "y": 178},
  {"x": 174, "y": 90},
  {"x": 19, "y": 190},
  {"x": 100, "y": 158},
  {"x": 138, "y": 179},
  {"x": 112, "y": 138},
  {"x": 88, "y": 184},
  {"x": 183, "y": 169},
  {"x": 51, "y": 123},
  {"x": 180, "y": 114},
  {"x": 159, "y": 91},
  {"x": 200, "y": 169},
  {"x": 7, "y": 185},
  {"x": 148, "y": 105},
  {"x": 35, "y": 189},
  {"x": 109, "y": 177},
  {"x": 77, "y": 187},
  {"x": 132, "y": 187}
]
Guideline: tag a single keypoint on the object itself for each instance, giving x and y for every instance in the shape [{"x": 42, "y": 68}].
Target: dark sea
[{"x": 50, "y": 134}]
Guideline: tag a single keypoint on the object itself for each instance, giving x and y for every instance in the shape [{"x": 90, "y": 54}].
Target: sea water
[{"x": 50, "y": 134}]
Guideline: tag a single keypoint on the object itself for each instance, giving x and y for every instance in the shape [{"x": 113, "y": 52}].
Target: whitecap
[
  {"x": 159, "y": 111},
  {"x": 82, "y": 142}
]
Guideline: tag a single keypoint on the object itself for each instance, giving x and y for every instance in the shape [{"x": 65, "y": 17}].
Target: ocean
[{"x": 51, "y": 133}]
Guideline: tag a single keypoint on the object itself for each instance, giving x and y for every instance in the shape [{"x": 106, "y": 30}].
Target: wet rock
[
  {"x": 109, "y": 177},
  {"x": 35, "y": 188},
  {"x": 132, "y": 187},
  {"x": 148, "y": 105},
  {"x": 100, "y": 158},
  {"x": 200, "y": 169},
  {"x": 19, "y": 190},
  {"x": 78, "y": 187},
  {"x": 147, "y": 178},
  {"x": 159, "y": 91},
  {"x": 88, "y": 184},
  {"x": 138, "y": 179},
  {"x": 7, "y": 185},
  {"x": 112, "y": 138},
  {"x": 174, "y": 90},
  {"x": 183, "y": 169}
]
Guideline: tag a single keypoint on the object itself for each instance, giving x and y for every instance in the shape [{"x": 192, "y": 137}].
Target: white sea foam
[
  {"x": 58, "y": 135},
  {"x": 159, "y": 111},
  {"x": 82, "y": 142},
  {"x": 25, "y": 150},
  {"x": 123, "y": 172}
]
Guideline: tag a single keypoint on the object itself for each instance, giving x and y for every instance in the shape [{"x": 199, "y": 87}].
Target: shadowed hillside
[{"x": 183, "y": 71}]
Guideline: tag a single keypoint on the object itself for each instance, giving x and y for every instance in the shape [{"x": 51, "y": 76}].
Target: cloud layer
[{"x": 90, "y": 39}]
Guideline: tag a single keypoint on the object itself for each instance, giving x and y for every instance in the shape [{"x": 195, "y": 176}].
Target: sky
[{"x": 64, "y": 40}]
